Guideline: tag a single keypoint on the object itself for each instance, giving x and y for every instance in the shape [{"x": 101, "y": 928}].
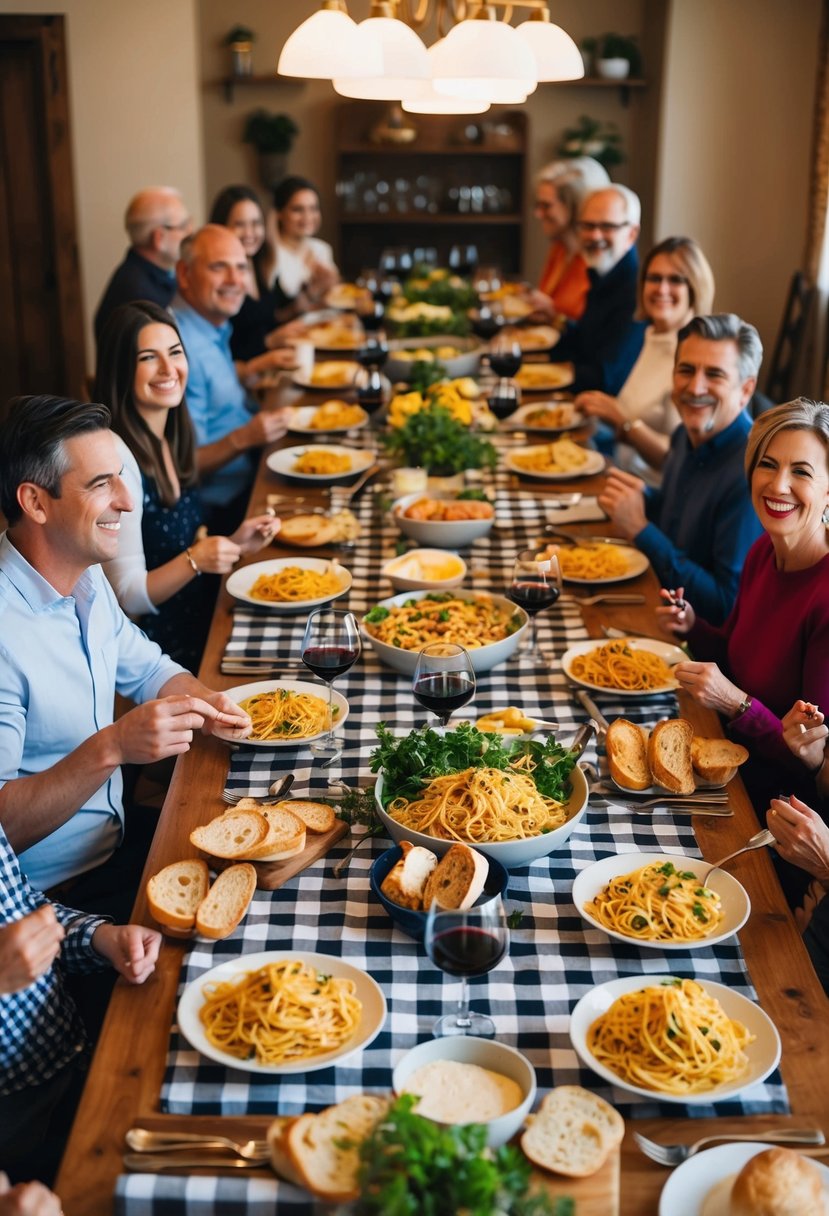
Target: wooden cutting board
[
  {"x": 272, "y": 874},
  {"x": 597, "y": 1195}
]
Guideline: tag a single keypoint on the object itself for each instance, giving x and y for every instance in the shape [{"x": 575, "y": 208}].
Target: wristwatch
[{"x": 628, "y": 425}]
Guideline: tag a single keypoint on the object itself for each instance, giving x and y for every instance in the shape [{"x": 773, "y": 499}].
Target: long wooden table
[{"x": 128, "y": 1067}]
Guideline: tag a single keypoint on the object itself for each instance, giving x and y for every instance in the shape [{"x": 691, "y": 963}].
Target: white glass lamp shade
[
  {"x": 404, "y": 62},
  {"x": 329, "y": 44},
  {"x": 484, "y": 60},
  {"x": 424, "y": 100},
  {"x": 556, "y": 55}
]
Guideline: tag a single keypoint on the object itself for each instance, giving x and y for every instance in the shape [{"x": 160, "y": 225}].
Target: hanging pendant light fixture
[
  {"x": 482, "y": 58},
  {"x": 404, "y": 59},
  {"x": 328, "y": 44},
  {"x": 556, "y": 55}
]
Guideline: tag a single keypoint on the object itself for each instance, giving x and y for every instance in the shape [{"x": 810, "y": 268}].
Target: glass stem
[
  {"x": 462, "y": 1016},
  {"x": 329, "y": 739},
  {"x": 531, "y": 643}
]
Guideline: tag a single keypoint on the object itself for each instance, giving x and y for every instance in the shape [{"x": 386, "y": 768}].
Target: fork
[
  {"x": 675, "y": 1154},
  {"x": 602, "y": 598},
  {"x": 758, "y": 841},
  {"x": 276, "y": 793},
  {"x": 140, "y": 1140}
]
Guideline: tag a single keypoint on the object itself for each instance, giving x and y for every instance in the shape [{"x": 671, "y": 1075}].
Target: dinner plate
[
  {"x": 736, "y": 905},
  {"x": 301, "y": 417},
  {"x": 243, "y": 691},
  {"x": 521, "y": 420},
  {"x": 341, "y": 376},
  {"x": 240, "y": 582},
  {"x": 670, "y": 653},
  {"x": 763, "y": 1054},
  {"x": 543, "y": 377},
  {"x": 532, "y": 338},
  {"x": 594, "y": 464},
  {"x": 368, "y": 992},
  {"x": 687, "y": 1187},
  {"x": 637, "y": 563},
  {"x": 345, "y": 297},
  {"x": 283, "y": 461}
]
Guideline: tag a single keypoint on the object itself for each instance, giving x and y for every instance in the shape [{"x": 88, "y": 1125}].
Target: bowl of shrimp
[{"x": 443, "y": 521}]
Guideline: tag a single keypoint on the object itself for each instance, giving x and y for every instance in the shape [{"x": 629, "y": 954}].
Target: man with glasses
[
  {"x": 603, "y": 346},
  {"x": 157, "y": 222}
]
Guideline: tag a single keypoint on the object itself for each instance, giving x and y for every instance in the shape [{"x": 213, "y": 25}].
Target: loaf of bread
[
  {"x": 669, "y": 755},
  {"x": 174, "y": 894},
  {"x": 231, "y": 836},
  {"x": 573, "y": 1132},
  {"x": 227, "y": 901},
  {"x": 717, "y": 760},
  {"x": 778, "y": 1182},
  {"x": 627, "y": 754},
  {"x": 457, "y": 880},
  {"x": 285, "y": 838},
  {"x": 405, "y": 882},
  {"x": 324, "y": 1148}
]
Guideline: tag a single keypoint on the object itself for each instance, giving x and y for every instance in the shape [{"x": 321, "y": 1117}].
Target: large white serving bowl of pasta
[
  {"x": 350, "y": 1007},
  {"x": 490, "y": 627},
  {"x": 510, "y": 853},
  {"x": 657, "y": 901},
  {"x": 289, "y": 584},
  {"x": 296, "y": 710},
  {"x": 724, "y": 1055}
]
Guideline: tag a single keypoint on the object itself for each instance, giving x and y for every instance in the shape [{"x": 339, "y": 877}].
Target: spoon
[{"x": 758, "y": 841}]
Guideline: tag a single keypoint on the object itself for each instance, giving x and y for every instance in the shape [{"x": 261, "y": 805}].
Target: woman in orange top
[{"x": 559, "y": 192}]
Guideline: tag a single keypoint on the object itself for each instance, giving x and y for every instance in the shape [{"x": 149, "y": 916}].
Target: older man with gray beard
[{"x": 698, "y": 526}]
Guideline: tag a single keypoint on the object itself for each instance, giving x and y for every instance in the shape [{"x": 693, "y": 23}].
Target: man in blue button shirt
[
  {"x": 698, "y": 526},
  {"x": 66, "y": 648}
]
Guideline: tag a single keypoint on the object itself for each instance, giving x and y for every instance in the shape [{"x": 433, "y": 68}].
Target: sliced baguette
[
  {"x": 405, "y": 882},
  {"x": 231, "y": 836},
  {"x": 285, "y": 838},
  {"x": 627, "y": 755},
  {"x": 457, "y": 880},
  {"x": 277, "y": 1135},
  {"x": 227, "y": 902},
  {"x": 175, "y": 893},
  {"x": 717, "y": 760},
  {"x": 307, "y": 530},
  {"x": 318, "y": 817},
  {"x": 324, "y": 1148},
  {"x": 573, "y": 1132},
  {"x": 669, "y": 755}
]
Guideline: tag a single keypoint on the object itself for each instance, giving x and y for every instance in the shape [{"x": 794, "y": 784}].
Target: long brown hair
[
  {"x": 264, "y": 259},
  {"x": 115, "y": 386}
]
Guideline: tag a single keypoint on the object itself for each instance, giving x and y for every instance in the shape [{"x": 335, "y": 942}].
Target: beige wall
[
  {"x": 135, "y": 115},
  {"x": 734, "y": 146}
]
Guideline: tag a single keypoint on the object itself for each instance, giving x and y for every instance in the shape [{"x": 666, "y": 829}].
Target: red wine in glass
[
  {"x": 505, "y": 362},
  {"x": 485, "y": 324},
  {"x": 467, "y": 950},
  {"x": 372, "y": 315},
  {"x": 533, "y": 595},
  {"x": 444, "y": 692},
  {"x": 374, "y": 351},
  {"x": 370, "y": 389},
  {"x": 535, "y": 584},
  {"x": 328, "y": 662},
  {"x": 463, "y": 259},
  {"x": 330, "y": 646},
  {"x": 466, "y": 944}
]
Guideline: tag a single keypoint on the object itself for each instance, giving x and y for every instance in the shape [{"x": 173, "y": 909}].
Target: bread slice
[
  {"x": 717, "y": 760},
  {"x": 324, "y": 1148},
  {"x": 318, "y": 817},
  {"x": 627, "y": 754},
  {"x": 175, "y": 893},
  {"x": 277, "y": 1135},
  {"x": 285, "y": 838},
  {"x": 573, "y": 1132},
  {"x": 458, "y": 878},
  {"x": 405, "y": 882},
  {"x": 307, "y": 530},
  {"x": 669, "y": 755},
  {"x": 227, "y": 901},
  {"x": 231, "y": 836}
]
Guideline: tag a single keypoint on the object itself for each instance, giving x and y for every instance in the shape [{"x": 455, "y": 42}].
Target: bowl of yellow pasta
[
  {"x": 327, "y": 464},
  {"x": 289, "y": 584},
  {"x": 488, "y": 626}
]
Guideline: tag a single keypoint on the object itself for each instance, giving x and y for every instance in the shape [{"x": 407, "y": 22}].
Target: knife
[
  {"x": 152, "y": 1163},
  {"x": 586, "y": 701}
]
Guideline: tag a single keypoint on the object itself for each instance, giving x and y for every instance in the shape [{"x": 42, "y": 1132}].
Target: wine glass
[
  {"x": 486, "y": 280},
  {"x": 444, "y": 679},
  {"x": 466, "y": 943},
  {"x": 425, "y": 256},
  {"x": 534, "y": 586},
  {"x": 486, "y": 321},
  {"x": 330, "y": 647},
  {"x": 372, "y": 388},
  {"x": 463, "y": 259},
  {"x": 373, "y": 350},
  {"x": 504, "y": 398},
  {"x": 505, "y": 355},
  {"x": 371, "y": 313}
]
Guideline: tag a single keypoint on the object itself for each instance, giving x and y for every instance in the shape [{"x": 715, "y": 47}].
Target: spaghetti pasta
[
  {"x": 294, "y": 584},
  {"x": 590, "y": 563},
  {"x": 658, "y": 903},
  {"x": 617, "y": 664},
  {"x": 284, "y": 714},
  {"x": 470, "y": 623},
  {"x": 283, "y": 1012},
  {"x": 321, "y": 462},
  {"x": 673, "y": 1038},
  {"x": 336, "y": 415}
]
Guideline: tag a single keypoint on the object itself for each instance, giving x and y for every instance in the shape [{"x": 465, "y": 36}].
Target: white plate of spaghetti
[
  {"x": 595, "y": 562},
  {"x": 656, "y": 901},
  {"x": 720, "y": 1043},
  {"x": 330, "y": 418},
  {"x": 321, "y": 464},
  {"x": 285, "y": 713},
  {"x": 289, "y": 584},
  {"x": 627, "y": 667},
  {"x": 332, "y": 1009}
]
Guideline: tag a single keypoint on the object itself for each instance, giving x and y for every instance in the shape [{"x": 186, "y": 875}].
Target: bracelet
[
  {"x": 192, "y": 562},
  {"x": 629, "y": 425}
]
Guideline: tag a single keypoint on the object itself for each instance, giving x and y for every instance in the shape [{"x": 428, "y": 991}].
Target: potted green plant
[
  {"x": 618, "y": 56},
  {"x": 240, "y": 40},
  {"x": 272, "y": 136},
  {"x": 590, "y": 137},
  {"x": 432, "y": 439}
]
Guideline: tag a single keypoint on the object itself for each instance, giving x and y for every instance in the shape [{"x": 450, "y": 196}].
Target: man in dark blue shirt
[
  {"x": 604, "y": 345},
  {"x": 156, "y": 221},
  {"x": 698, "y": 526}
]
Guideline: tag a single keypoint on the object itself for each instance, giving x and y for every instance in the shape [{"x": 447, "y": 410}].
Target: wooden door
[{"x": 41, "y": 335}]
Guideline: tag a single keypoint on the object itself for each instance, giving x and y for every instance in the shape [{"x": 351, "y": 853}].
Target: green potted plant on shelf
[
  {"x": 272, "y": 136},
  {"x": 590, "y": 137},
  {"x": 617, "y": 56},
  {"x": 240, "y": 40}
]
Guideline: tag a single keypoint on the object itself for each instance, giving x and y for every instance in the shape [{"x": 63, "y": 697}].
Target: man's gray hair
[
  {"x": 633, "y": 207},
  {"x": 148, "y": 210},
  {"x": 728, "y": 327}
]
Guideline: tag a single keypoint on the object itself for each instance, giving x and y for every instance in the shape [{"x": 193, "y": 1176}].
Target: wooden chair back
[{"x": 789, "y": 344}]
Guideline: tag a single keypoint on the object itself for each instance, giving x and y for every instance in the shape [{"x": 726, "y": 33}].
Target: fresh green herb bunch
[
  {"x": 428, "y": 327},
  {"x": 425, "y": 373},
  {"x": 433, "y": 440},
  {"x": 451, "y": 292},
  {"x": 410, "y": 1166}
]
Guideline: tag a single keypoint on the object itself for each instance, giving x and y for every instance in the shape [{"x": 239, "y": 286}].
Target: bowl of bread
[
  {"x": 669, "y": 757},
  {"x": 407, "y": 878},
  {"x": 443, "y": 521}
]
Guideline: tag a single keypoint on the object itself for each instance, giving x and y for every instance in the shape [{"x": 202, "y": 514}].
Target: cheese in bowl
[{"x": 423, "y": 568}]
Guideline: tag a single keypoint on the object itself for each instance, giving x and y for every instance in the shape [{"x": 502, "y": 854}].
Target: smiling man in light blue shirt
[{"x": 66, "y": 648}]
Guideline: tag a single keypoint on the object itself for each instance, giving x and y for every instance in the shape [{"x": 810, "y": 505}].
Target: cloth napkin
[
  {"x": 203, "y": 1195},
  {"x": 586, "y": 511}
]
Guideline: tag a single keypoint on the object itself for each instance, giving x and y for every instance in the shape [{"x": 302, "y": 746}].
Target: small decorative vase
[
  {"x": 613, "y": 69},
  {"x": 273, "y": 167},
  {"x": 241, "y": 58}
]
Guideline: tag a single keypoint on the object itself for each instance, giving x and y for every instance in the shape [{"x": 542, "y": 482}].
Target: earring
[{"x": 824, "y": 519}]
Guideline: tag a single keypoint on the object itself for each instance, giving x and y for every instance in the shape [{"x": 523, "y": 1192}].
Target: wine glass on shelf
[
  {"x": 330, "y": 648},
  {"x": 505, "y": 355},
  {"x": 425, "y": 256},
  {"x": 444, "y": 679},
  {"x": 535, "y": 585},
  {"x": 463, "y": 259},
  {"x": 466, "y": 944}
]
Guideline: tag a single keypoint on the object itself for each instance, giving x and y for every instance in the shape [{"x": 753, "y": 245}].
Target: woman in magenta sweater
[{"x": 774, "y": 647}]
